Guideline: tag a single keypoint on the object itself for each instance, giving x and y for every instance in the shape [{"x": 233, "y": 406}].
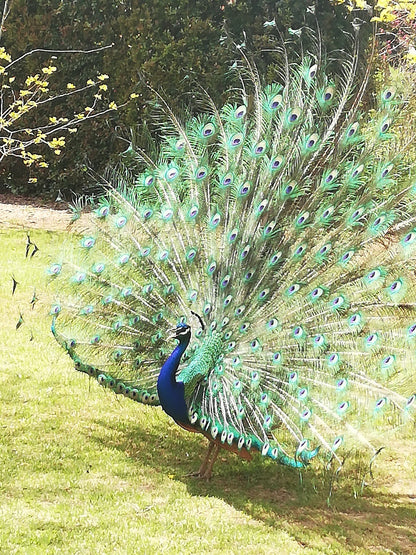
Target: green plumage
[{"x": 286, "y": 221}]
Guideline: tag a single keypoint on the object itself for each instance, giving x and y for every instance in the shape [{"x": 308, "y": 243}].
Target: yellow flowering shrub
[
  {"x": 385, "y": 11},
  {"x": 22, "y": 141}
]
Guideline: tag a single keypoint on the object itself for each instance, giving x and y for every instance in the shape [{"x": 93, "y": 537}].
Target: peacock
[{"x": 256, "y": 277}]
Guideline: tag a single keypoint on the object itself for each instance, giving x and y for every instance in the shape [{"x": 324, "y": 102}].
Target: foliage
[{"x": 177, "y": 48}]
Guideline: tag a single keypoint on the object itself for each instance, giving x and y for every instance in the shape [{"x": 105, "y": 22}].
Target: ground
[{"x": 27, "y": 213}]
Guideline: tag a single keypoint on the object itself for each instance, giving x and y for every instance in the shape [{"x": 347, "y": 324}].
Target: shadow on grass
[{"x": 376, "y": 520}]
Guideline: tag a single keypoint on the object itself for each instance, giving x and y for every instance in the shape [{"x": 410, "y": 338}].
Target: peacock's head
[{"x": 182, "y": 333}]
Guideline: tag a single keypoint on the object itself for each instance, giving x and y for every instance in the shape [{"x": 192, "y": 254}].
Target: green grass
[{"x": 83, "y": 471}]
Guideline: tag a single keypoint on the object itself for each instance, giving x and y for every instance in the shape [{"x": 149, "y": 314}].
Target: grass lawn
[{"x": 85, "y": 471}]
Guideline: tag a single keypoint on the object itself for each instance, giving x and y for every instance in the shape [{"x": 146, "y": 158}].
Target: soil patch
[{"x": 27, "y": 213}]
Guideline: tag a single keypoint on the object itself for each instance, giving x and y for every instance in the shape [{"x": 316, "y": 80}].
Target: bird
[{"x": 255, "y": 277}]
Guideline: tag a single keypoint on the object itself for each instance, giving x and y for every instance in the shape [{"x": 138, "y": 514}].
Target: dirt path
[{"x": 23, "y": 213}]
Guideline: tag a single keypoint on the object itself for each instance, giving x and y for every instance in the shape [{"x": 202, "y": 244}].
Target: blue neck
[{"x": 172, "y": 393}]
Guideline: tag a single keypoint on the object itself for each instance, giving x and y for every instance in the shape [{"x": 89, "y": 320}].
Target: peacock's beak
[{"x": 171, "y": 333}]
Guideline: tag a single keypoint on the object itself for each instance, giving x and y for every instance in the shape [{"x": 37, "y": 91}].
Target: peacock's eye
[
  {"x": 277, "y": 357},
  {"x": 343, "y": 407},
  {"x": 211, "y": 268},
  {"x": 103, "y": 212},
  {"x": 244, "y": 189},
  {"x": 149, "y": 180},
  {"x": 409, "y": 238},
  {"x": 191, "y": 254},
  {"x": 396, "y": 286},
  {"x": 245, "y": 252},
  {"x": 347, "y": 256},
  {"x": 240, "y": 112},
  {"x": 275, "y": 258},
  {"x": 373, "y": 275},
  {"x": 55, "y": 269},
  {"x": 384, "y": 127},
  {"x": 263, "y": 294},
  {"x": 333, "y": 359},
  {"x": 121, "y": 221},
  {"x": 312, "y": 71},
  {"x": 298, "y": 332},
  {"x": 239, "y": 310},
  {"x": 262, "y": 206},
  {"x": 227, "y": 180},
  {"x": 338, "y": 301},
  {"x": 306, "y": 414},
  {"x": 371, "y": 339},
  {"x": 303, "y": 393},
  {"x": 352, "y": 130},
  {"x": 276, "y": 163},
  {"x": 412, "y": 330},
  {"x": 411, "y": 401},
  {"x": 380, "y": 403},
  {"x": 193, "y": 211},
  {"x": 293, "y": 288},
  {"x": 260, "y": 148},
  {"x": 201, "y": 173},
  {"x": 293, "y": 116},
  {"x": 276, "y": 101},
  {"x": 311, "y": 142},
  {"x": 208, "y": 130},
  {"x": 55, "y": 309},
  {"x": 88, "y": 242},
  {"x": 354, "y": 319},
  {"x": 387, "y": 361},
  {"x": 180, "y": 144},
  {"x": 171, "y": 174},
  {"x": 302, "y": 218},
  {"x": 387, "y": 170},
  {"x": 357, "y": 171},
  {"x": 293, "y": 377},
  {"x": 236, "y": 140},
  {"x": 341, "y": 384},
  {"x": 225, "y": 281},
  {"x": 215, "y": 220},
  {"x": 388, "y": 94}
]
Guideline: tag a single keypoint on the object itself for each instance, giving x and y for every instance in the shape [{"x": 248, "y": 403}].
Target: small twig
[
  {"x": 51, "y": 51},
  {"x": 5, "y": 15}
]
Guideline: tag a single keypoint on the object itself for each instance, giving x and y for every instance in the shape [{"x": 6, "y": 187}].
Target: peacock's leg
[
  {"x": 207, "y": 471},
  {"x": 205, "y": 462},
  {"x": 201, "y": 473}
]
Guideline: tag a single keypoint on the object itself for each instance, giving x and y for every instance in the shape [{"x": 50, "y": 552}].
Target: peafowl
[{"x": 275, "y": 240}]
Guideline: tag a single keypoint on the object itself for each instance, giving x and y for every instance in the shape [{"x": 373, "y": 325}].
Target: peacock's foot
[{"x": 204, "y": 475}]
